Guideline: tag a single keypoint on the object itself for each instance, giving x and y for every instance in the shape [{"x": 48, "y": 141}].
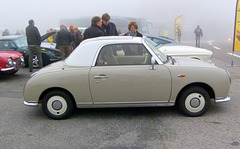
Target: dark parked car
[{"x": 18, "y": 43}]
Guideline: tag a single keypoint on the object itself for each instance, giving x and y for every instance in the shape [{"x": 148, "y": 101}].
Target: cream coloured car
[{"x": 125, "y": 72}]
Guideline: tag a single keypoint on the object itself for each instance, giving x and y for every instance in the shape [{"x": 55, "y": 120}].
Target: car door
[{"x": 126, "y": 78}]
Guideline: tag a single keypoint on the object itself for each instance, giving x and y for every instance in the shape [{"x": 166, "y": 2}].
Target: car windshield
[
  {"x": 21, "y": 42},
  {"x": 152, "y": 45},
  {"x": 159, "y": 41}
]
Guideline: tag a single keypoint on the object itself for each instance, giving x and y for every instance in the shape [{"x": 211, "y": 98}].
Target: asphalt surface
[{"x": 25, "y": 127}]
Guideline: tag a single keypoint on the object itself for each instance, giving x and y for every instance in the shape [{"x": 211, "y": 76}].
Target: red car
[{"x": 10, "y": 62}]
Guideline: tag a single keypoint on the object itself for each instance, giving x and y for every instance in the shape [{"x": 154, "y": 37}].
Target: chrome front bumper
[
  {"x": 222, "y": 99},
  {"x": 10, "y": 68},
  {"x": 32, "y": 104},
  {"x": 14, "y": 67}
]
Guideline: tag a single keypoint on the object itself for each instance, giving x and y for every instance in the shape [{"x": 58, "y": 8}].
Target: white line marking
[
  {"x": 234, "y": 55},
  {"x": 216, "y": 47},
  {"x": 210, "y": 41}
]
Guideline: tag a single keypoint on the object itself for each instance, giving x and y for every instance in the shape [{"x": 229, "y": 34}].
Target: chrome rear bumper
[
  {"x": 222, "y": 99},
  {"x": 32, "y": 104}
]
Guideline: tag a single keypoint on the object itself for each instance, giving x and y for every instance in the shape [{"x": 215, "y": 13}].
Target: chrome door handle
[{"x": 100, "y": 77}]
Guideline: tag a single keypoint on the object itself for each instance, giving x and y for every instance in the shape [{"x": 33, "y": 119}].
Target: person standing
[
  {"x": 34, "y": 41},
  {"x": 77, "y": 36},
  {"x": 17, "y": 33},
  {"x": 95, "y": 29},
  {"x": 64, "y": 39},
  {"x": 198, "y": 34},
  {"x": 5, "y": 32},
  {"x": 72, "y": 45},
  {"x": 179, "y": 34},
  {"x": 108, "y": 27},
  {"x": 132, "y": 27},
  {"x": 52, "y": 38}
]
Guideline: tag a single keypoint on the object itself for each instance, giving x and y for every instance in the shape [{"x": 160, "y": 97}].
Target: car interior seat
[{"x": 108, "y": 57}]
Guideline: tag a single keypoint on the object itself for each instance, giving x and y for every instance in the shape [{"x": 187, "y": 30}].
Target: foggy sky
[{"x": 216, "y": 17}]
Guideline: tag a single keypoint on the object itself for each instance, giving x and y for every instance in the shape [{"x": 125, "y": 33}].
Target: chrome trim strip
[
  {"x": 222, "y": 99},
  {"x": 123, "y": 105},
  {"x": 32, "y": 104},
  {"x": 100, "y": 77}
]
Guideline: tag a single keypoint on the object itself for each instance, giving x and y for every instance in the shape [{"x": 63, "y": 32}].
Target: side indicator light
[{"x": 182, "y": 75}]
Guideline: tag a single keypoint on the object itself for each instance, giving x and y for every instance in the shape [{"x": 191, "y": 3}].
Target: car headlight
[
  {"x": 10, "y": 63},
  {"x": 22, "y": 58}
]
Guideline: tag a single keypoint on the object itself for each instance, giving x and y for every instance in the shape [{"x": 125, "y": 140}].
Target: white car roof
[
  {"x": 114, "y": 39},
  {"x": 85, "y": 53}
]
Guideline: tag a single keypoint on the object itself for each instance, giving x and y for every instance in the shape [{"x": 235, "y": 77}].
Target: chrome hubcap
[
  {"x": 35, "y": 61},
  {"x": 195, "y": 102},
  {"x": 57, "y": 105}
]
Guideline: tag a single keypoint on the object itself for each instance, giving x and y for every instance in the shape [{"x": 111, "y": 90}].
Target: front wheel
[
  {"x": 194, "y": 101},
  {"x": 57, "y": 105}
]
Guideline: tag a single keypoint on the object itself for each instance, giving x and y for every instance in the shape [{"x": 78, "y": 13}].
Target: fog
[{"x": 215, "y": 17}]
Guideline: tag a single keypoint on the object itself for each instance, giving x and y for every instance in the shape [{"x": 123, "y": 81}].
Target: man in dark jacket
[
  {"x": 64, "y": 39},
  {"x": 198, "y": 33},
  {"x": 95, "y": 29},
  {"x": 34, "y": 41},
  {"x": 108, "y": 28}
]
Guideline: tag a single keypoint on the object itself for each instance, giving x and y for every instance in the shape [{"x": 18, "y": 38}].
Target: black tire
[
  {"x": 194, "y": 101},
  {"x": 26, "y": 62},
  {"x": 57, "y": 105}
]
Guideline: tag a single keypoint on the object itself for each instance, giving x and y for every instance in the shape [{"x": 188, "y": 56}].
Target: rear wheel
[
  {"x": 57, "y": 105},
  {"x": 194, "y": 101}
]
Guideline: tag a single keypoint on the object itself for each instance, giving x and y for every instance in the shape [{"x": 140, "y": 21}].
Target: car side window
[
  {"x": 123, "y": 54},
  {"x": 11, "y": 45},
  {"x": 6, "y": 45},
  {"x": 1, "y": 45}
]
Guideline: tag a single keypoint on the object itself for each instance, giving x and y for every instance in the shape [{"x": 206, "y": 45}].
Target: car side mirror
[{"x": 153, "y": 61}]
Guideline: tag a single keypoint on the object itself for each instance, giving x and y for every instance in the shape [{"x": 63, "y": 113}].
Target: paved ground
[{"x": 158, "y": 128}]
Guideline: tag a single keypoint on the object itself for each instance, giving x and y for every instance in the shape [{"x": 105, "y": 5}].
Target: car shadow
[
  {"x": 107, "y": 113},
  {"x": 127, "y": 113},
  {"x": 19, "y": 75},
  {"x": 8, "y": 77}
]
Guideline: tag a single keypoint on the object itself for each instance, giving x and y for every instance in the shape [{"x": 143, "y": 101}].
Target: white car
[
  {"x": 175, "y": 49},
  {"x": 187, "y": 51}
]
